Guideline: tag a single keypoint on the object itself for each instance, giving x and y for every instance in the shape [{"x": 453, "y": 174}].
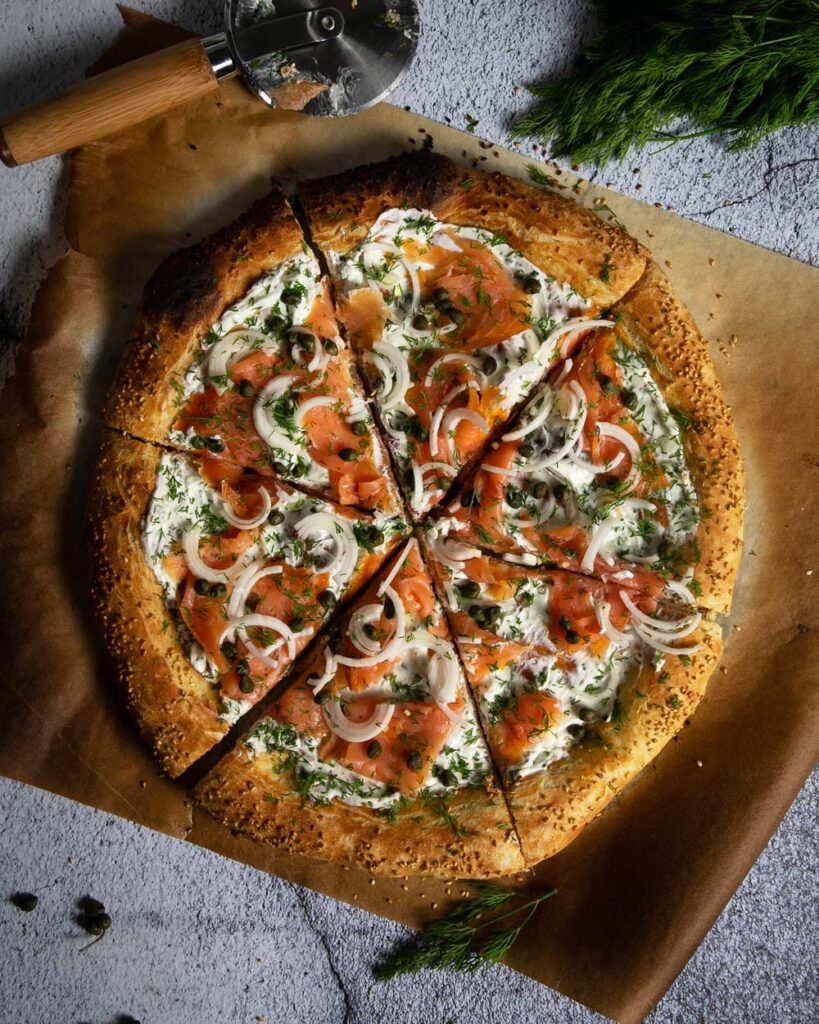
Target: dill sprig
[
  {"x": 472, "y": 935},
  {"x": 738, "y": 68}
]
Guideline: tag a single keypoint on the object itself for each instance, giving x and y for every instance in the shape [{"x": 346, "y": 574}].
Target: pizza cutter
[{"x": 326, "y": 57}]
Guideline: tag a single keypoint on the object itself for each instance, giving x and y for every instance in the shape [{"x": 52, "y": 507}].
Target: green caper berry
[
  {"x": 444, "y": 776},
  {"x": 347, "y": 454},
  {"x": 321, "y": 697},
  {"x": 25, "y": 901},
  {"x": 526, "y": 449},
  {"x": 576, "y": 731},
  {"x": 103, "y": 920},
  {"x": 611, "y": 482},
  {"x": 91, "y": 907},
  {"x": 454, "y": 314},
  {"x": 628, "y": 398},
  {"x": 214, "y": 444},
  {"x": 401, "y": 420},
  {"x": 228, "y": 648},
  {"x": 415, "y": 761},
  {"x": 565, "y": 622},
  {"x": 245, "y": 684},
  {"x": 92, "y": 926},
  {"x": 468, "y": 589},
  {"x": 539, "y": 490},
  {"x": 572, "y": 637},
  {"x": 359, "y": 428},
  {"x": 218, "y": 590},
  {"x": 469, "y": 498},
  {"x": 202, "y": 588},
  {"x": 490, "y": 364},
  {"x": 440, "y": 295},
  {"x": 334, "y": 642},
  {"x": 290, "y": 296},
  {"x": 298, "y": 470},
  {"x": 420, "y": 322},
  {"x": 296, "y": 623},
  {"x": 586, "y": 715},
  {"x": 531, "y": 285},
  {"x": 276, "y": 518},
  {"x": 389, "y": 608},
  {"x": 373, "y": 536},
  {"x": 245, "y": 388},
  {"x": 278, "y": 467},
  {"x": 417, "y": 430},
  {"x": 327, "y": 600},
  {"x": 607, "y": 385},
  {"x": 275, "y": 324},
  {"x": 371, "y": 631},
  {"x": 374, "y": 749},
  {"x": 561, "y": 492},
  {"x": 330, "y": 347}
]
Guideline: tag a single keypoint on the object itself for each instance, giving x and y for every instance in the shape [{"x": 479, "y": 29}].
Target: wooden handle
[{"x": 108, "y": 103}]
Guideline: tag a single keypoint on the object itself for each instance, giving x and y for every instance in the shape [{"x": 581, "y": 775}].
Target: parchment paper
[{"x": 642, "y": 885}]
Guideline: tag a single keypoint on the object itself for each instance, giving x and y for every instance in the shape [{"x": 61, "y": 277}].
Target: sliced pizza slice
[
  {"x": 457, "y": 297},
  {"x": 237, "y": 352},
  {"x": 579, "y": 683},
  {"x": 209, "y": 582},
  {"x": 610, "y": 471},
  {"x": 373, "y": 756}
]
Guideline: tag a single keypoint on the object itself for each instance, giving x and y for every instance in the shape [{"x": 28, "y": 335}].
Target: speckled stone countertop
[{"x": 197, "y": 938}]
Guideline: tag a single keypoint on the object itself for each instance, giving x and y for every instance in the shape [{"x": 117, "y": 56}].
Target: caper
[
  {"x": 607, "y": 385},
  {"x": 279, "y": 467},
  {"x": 359, "y": 428},
  {"x": 539, "y": 489},
  {"x": 347, "y": 454},
  {"x": 330, "y": 347},
  {"x": 25, "y": 901},
  {"x": 291, "y": 296},
  {"x": 374, "y": 749},
  {"x": 531, "y": 285},
  {"x": 586, "y": 715},
  {"x": 485, "y": 616},
  {"x": 468, "y": 589},
  {"x": 321, "y": 697},
  {"x": 565, "y": 622},
  {"x": 454, "y": 314},
  {"x": 611, "y": 482},
  {"x": 440, "y": 295},
  {"x": 296, "y": 623},
  {"x": 576, "y": 731},
  {"x": 526, "y": 449},
  {"x": 275, "y": 518},
  {"x": 103, "y": 920},
  {"x": 444, "y": 776},
  {"x": 417, "y": 430},
  {"x": 415, "y": 761},
  {"x": 420, "y": 322},
  {"x": 298, "y": 470},
  {"x": 561, "y": 492},
  {"x": 228, "y": 648},
  {"x": 572, "y": 637},
  {"x": 218, "y": 590},
  {"x": 400, "y": 420},
  {"x": 245, "y": 388},
  {"x": 91, "y": 907},
  {"x": 372, "y": 536},
  {"x": 275, "y": 324},
  {"x": 245, "y": 684},
  {"x": 628, "y": 398},
  {"x": 214, "y": 444},
  {"x": 469, "y": 498},
  {"x": 327, "y": 600},
  {"x": 489, "y": 365},
  {"x": 334, "y": 642},
  {"x": 92, "y": 926},
  {"x": 389, "y": 608},
  {"x": 514, "y": 497},
  {"x": 371, "y": 631},
  {"x": 202, "y": 588}
]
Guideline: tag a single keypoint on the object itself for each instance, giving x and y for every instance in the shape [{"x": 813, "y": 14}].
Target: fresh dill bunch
[
  {"x": 737, "y": 68},
  {"x": 472, "y": 935}
]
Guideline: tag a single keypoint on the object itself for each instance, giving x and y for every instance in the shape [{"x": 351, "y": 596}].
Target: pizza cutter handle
[{"x": 108, "y": 102}]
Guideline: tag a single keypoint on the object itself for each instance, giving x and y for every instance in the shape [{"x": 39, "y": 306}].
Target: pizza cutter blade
[{"x": 325, "y": 57}]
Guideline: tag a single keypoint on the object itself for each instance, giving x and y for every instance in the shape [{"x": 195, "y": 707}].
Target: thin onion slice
[
  {"x": 539, "y": 417},
  {"x": 245, "y": 585},
  {"x": 397, "y": 567},
  {"x": 340, "y": 531},
  {"x": 254, "y": 521},
  {"x": 357, "y": 732},
  {"x": 245, "y": 622},
  {"x": 572, "y": 327},
  {"x": 319, "y": 402},
  {"x": 389, "y": 650},
  {"x": 190, "y": 544},
  {"x": 603, "y": 612},
  {"x": 659, "y": 625},
  {"x": 454, "y": 357}
]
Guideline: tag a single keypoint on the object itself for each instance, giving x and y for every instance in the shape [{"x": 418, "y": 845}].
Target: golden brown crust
[
  {"x": 184, "y": 297},
  {"x": 653, "y": 316},
  {"x": 600, "y": 261},
  {"x": 174, "y": 706},
  {"x": 550, "y": 809},
  {"x": 254, "y": 800}
]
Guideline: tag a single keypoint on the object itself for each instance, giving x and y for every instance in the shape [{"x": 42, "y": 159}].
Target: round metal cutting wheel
[{"x": 327, "y": 59}]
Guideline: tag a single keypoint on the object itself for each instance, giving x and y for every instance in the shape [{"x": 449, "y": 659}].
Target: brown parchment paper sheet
[{"x": 644, "y": 882}]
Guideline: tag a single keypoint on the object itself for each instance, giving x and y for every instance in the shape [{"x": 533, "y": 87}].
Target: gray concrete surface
[{"x": 199, "y": 939}]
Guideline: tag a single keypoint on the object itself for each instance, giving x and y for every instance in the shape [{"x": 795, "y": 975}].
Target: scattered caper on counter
[{"x": 25, "y": 901}]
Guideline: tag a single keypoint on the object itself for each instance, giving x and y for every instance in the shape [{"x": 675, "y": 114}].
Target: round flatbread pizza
[{"x": 429, "y": 521}]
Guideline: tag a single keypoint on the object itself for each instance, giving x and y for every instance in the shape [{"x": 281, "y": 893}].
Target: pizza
[{"x": 428, "y": 522}]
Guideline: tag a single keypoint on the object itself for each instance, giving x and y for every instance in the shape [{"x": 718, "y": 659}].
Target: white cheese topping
[{"x": 513, "y": 366}]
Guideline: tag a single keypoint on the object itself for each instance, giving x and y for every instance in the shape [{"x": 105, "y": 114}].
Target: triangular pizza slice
[
  {"x": 236, "y": 352},
  {"x": 618, "y": 464},
  {"x": 209, "y": 581},
  {"x": 458, "y": 290},
  {"x": 579, "y": 683},
  {"x": 373, "y": 756}
]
